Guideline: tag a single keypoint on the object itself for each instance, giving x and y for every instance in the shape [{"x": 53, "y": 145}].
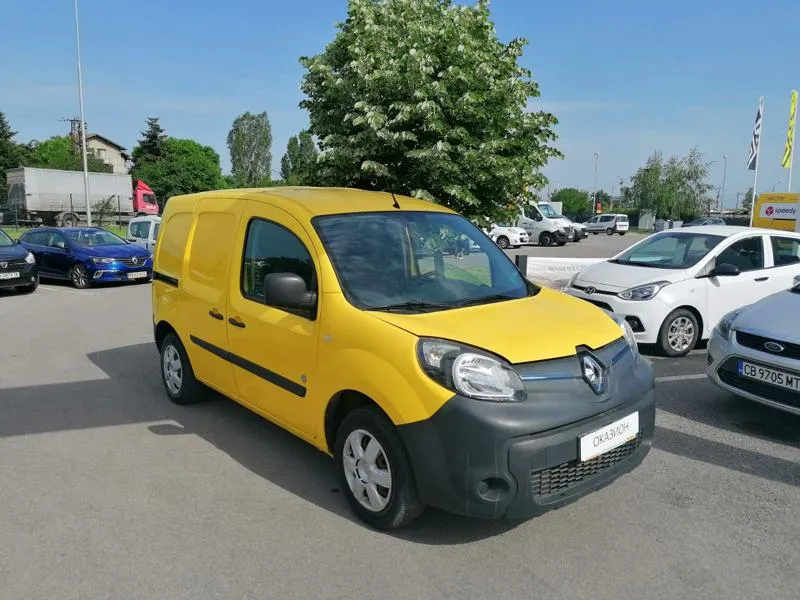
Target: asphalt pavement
[
  {"x": 107, "y": 490},
  {"x": 594, "y": 246}
]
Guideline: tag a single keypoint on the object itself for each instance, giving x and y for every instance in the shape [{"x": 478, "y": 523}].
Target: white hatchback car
[
  {"x": 673, "y": 287},
  {"x": 508, "y": 237}
]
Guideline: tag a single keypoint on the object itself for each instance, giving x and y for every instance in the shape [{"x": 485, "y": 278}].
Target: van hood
[
  {"x": 542, "y": 327},
  {"x": 614, "y": 277},
  {"x": 772, "y": 317}
]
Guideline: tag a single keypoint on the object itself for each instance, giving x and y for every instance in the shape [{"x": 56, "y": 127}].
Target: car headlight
[
  {"x": 470, "y": 372},
  {"x": 102, "y": 261},
  {"x": 30, "y": 259},
  {"x": 725, "y": 325},
  {"x": 643, "y": 292},
  {"x": 627, "y": 333}
]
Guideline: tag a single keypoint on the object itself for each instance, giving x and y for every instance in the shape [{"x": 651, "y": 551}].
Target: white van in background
[
  {"x": 544, "y": 225},
  {"x": 143, "y": 231}
]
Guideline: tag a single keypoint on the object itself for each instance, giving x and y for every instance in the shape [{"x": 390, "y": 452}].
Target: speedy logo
[{"x": 787, "y": 212}]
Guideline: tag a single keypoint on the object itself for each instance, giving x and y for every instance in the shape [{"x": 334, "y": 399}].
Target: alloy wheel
[
  {"x": 80, "y": 277},
  {"x": 680, "y": 334},
  {"x": 173, "y": 370}
]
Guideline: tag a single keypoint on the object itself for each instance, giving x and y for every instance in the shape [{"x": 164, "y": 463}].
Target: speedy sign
[{"x": 779, "y": 211}]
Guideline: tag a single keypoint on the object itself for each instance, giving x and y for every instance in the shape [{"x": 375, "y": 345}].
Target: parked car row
[{"x": 84, "y": 256}]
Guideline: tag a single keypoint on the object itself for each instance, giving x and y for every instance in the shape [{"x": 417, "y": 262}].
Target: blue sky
[{"x": 624, "y": 78}]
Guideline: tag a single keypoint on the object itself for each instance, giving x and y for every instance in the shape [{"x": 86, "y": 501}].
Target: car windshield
[
  {"x": 5, "y": 241},
  {"x": 548, "y": 211},
  {"x": 95, "y": 237},
  {"x": 670, "y": 250},
  {"x": 417, "y": 262}
]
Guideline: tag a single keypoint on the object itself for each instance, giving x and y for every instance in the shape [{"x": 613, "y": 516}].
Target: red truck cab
[{"x": 144, "y": 199}]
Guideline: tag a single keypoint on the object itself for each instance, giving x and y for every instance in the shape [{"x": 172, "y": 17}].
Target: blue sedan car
[{"x": 87, "y": 255}]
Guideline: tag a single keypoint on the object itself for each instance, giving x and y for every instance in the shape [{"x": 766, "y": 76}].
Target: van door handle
[
  {"x": 236, "y": 322},
  {"x": 215, "y": 314},
  {"x": 761, "y": 278}
]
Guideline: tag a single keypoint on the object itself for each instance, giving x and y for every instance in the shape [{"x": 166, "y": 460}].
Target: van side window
[{"x": 271, "y": 248}]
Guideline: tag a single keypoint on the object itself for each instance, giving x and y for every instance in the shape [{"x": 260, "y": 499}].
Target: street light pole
[
  {"x": 594, "y": 187},
  {"x": 83, "y": 121},
  {"x": 776, "y": 184},
  {"x": 724, "y": 174}
]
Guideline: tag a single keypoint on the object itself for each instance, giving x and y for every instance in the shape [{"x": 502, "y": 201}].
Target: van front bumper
[{"x": 468, "y": 459}]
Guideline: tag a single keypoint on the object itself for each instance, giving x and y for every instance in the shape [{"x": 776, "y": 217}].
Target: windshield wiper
[
  {"x": 486, "y": 300},
  {"x": 412, "y": 306}
]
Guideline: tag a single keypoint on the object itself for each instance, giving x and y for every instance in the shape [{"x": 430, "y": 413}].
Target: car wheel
[
  {"x": 561, "y": 243},
  {"x": 176, "y": 372},
  {"x": 595, "y": 232},
  {"x": 79, "y": 277},
  {"x": 546, "y": 239},
  {"x": 503, "y": 242},
  {"x": 375, "y": 472},
  {"x": 679, "y": 333},
  {"x": 69, "y": 221},
  {"x": 609, "y": 231},
  {"x": 621, "y": 232}
]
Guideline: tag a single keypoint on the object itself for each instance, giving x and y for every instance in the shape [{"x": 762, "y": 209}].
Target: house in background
[{"x": 109, "y": 152}]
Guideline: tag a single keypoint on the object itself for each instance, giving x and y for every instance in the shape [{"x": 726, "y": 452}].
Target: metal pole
[
  {"x": 119, "y": 211},
  {"x": 83, "y": 121},
  {"x": 594, "y": 187},
  {"x": 758, "y": 155},
  {"x": 724, "y": 174}
]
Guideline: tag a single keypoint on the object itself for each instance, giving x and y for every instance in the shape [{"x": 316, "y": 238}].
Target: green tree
[
  {"x": 299, "y": 164},
  {"x": 186, "y": 167},
  {"x": 11, "y": 154},
  {"x": 674, "y": 188},
  {"x": 152, "y": 145},
  {"x": 420, "y": 97},
  {"x": 747, "y": 202},
  {"x": 575, "y": 203},
  {"x": 250, "y": 145},
  {"x": 59, "y": 153}
]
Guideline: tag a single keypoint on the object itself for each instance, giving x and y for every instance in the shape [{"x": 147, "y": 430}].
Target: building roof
[{"x": 107, "y": 141}]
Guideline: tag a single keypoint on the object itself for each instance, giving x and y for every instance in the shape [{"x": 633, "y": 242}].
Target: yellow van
[{"x": 394, "y": 335}]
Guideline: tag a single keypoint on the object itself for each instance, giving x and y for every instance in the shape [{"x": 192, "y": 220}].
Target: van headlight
[
  {"x": 470, "y": 372},
  {"x": 30, "y": 259},
  {"x": 643, "y": 292}
]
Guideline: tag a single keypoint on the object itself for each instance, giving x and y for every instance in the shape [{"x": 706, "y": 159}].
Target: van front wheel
[{"x": 375, "y": 472}]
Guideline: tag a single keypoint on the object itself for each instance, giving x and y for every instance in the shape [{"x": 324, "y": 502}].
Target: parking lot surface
[
  {"x": 107, "y": 490},
  {"x": 594, "y": 246}
]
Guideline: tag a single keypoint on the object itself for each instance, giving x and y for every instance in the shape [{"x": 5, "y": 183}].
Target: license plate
[
  {"x": 12, "y": 275},
  {"x": 137, "y": 275},
  {"x": 609, "y": 437},
  {"x": 772, "y": 376}
]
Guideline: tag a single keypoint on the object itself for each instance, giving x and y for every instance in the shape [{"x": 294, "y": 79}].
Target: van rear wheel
[
  {"x": 176, "y": 372},
  {"x": 375, "y": 472},
  {"x": 609, "y": 231}
]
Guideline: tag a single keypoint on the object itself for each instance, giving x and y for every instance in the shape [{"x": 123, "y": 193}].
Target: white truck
[{"x": 54, "y": 197}]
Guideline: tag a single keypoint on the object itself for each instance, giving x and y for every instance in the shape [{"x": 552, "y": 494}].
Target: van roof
[{"x": 312, "y": 201}]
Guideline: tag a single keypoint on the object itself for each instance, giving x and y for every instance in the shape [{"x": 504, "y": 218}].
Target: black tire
[
  {"x": 595, "y": 232},
  {"x": 503, "y": 242},
  {"x": 681, "y": 319},
  {"x": 561, "y": 243},
  {"x": 609, "y": 231},
  {"x": 30, "y": 288},
  {"x": 621, "y": 232},
  {"x": 79, "y": 277},
  {"x": 69, "y": 220},
  {"x": 546, "y": 239},
  {"x": 404, "y": 504},
  {"x": 190, "y": 390}
]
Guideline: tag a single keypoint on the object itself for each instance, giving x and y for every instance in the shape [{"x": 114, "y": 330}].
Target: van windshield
[
  {"x": 417, "y": 262},
  {"x": 548, "y": 211}
]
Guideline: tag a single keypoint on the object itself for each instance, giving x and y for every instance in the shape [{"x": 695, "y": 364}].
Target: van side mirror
[
  {"x": 537, "y": 216},
  {"x": 724, "y": 270},
  {"x": 288, "y": 290}
]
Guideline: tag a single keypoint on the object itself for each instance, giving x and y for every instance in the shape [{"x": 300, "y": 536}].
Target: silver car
[{"x": 754, "y": 352}]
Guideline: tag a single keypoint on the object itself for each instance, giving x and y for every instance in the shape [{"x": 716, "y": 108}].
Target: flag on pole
[
  {"x": 787, "y": 152},
  {"x": 752, "y": 159}
]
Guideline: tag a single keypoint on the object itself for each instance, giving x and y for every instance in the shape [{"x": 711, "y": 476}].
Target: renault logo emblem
[
  {"x": 774, "y": 347},
  {"x": 135, "y": 260},
  {"x": 593, "y": 373},
  {"x": 590, "y": 290}
]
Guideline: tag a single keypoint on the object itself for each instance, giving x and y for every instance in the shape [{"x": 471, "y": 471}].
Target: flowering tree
[{"x": 420, "y": 97}]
